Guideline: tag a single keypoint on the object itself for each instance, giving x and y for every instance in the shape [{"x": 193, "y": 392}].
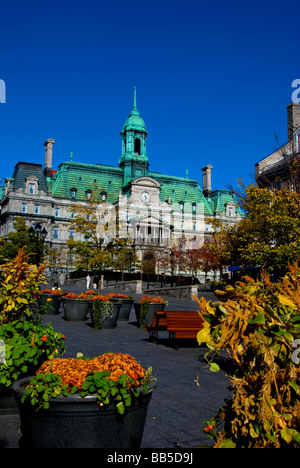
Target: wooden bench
[
  {"x": 184, "y": 325},
  {"x": 179, "y": 324}
]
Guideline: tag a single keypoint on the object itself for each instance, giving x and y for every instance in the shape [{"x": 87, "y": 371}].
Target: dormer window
[
  {"x": 31, "y": 185},
  {"x": 88, "y": 194},
  {"x": 230, "y": 210},
  {"x": 103, "y": 196},
  {"x": 73, "y": 192},
  {"x": 181, "y": 205},
  {"x": 194, "y": 207}
]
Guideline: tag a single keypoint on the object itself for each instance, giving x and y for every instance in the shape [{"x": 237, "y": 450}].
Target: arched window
[{"x": 137, "y": 146}]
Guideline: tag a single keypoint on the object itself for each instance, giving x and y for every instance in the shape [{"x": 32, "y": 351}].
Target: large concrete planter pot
[
  {"x": 109, "y": 315},
  {"x": 49, "y": 307},
  {"x": 76, "y": 422},
  {"x": 126, "y": 305},
  {"x": 148, "y": 317},
  {"x": 76, "y": 310}
]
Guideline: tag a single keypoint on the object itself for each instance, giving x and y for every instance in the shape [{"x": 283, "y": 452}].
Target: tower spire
[{"x": 134, "y": 99}]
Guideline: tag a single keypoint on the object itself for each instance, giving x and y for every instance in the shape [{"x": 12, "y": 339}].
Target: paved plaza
[{"x": 178, "y": 406}]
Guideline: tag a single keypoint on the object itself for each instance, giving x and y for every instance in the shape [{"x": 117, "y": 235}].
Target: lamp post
[{"x": 38, "y": 235}]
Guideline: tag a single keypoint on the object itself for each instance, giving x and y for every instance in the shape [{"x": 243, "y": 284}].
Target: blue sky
[{"x": 213, "y": 81}]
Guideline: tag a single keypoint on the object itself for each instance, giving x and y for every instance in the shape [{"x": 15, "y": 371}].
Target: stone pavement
[{"x": 178, "y": 405}]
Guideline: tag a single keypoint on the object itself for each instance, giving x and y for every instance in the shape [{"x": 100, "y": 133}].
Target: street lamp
[{"x": 38, "y": 235}]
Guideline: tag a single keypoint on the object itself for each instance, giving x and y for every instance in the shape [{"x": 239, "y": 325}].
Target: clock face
[{"x": 145, "y": 197}]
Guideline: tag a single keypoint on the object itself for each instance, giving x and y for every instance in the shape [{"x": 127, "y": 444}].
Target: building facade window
[
  {"x": 57, "y": 212},
  {"x": 72, "y": 233},
  {"x": 24, "y": 208},
  {"x": 36, "y": 209},
  {"x": 56, "y": 233},
  {"x": 31, "y": 189}
]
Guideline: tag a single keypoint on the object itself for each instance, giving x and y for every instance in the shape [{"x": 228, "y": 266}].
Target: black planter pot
[
  {"x": 76, "y": 310},
  {"x": 109, "y": 317},
  {"x": 149, "y": 315},
  {"x": 76, "y": 422},
  {"x": 49, "y": 307},
  {"x": 126, "y": 305}
]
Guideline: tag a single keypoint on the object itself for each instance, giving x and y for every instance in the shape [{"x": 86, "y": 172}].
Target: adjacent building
[{"x": 280, "y": 169}]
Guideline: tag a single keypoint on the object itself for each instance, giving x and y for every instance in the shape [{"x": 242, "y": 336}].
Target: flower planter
[
  {"x": 76, "y": 310},
  {"x": 109, "y": 314},
  {"x": 126, "y": 305},
  {"x": 76, "y": 422},
  {"x": 49, "y": 307},
  {"x": 152, "y": 307}
]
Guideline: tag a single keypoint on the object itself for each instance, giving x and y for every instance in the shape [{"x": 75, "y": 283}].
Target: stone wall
[{"x": 181, "y": 292}]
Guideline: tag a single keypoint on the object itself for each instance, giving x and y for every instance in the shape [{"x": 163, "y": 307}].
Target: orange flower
[
  {"x": 44, "y": 338},
  {"x": 100, "y": 298},
  {"x": 117, "y": 295},
  {"x": 156, "y": 300},
  {"x": 74, "y": 371}
]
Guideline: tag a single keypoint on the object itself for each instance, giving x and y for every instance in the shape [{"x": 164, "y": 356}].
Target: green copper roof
[
  {"x": 82, "y": 177},
  {"x": 220, "y": 198},
  {"x": 134, "y": 121}
]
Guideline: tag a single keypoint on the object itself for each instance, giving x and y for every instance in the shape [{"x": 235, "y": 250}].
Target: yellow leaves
[
  {"x": 285, "y": 301},
  {"x": 204, "y": 335}
]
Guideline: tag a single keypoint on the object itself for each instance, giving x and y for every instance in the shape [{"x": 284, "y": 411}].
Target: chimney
[
  {"x": 293, "y": 112},
  {"x": 207, "y": 180},
  {"x": 48, "y": 157}
]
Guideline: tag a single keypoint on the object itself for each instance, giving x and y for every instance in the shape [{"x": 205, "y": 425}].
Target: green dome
[{"x": 134, "y": 122}]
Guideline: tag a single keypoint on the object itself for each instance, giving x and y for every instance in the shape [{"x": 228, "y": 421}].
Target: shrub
[
  {"x": 19, "y": 287},
  {"x": 258, "y": 324}
]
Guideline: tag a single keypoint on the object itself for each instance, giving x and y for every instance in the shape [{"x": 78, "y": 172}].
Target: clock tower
[{"x": 134, "y": 160}]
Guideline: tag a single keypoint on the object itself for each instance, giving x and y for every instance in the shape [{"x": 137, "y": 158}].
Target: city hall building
[{"x": 154, "y": 210}]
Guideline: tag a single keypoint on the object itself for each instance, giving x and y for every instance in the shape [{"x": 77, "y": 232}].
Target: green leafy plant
[
  {"x": 102, "y": 309},
  {"x": 257, "y": 323},
  {"x": 27, "y": 342},
  {"x": 27, "y": 345}
]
